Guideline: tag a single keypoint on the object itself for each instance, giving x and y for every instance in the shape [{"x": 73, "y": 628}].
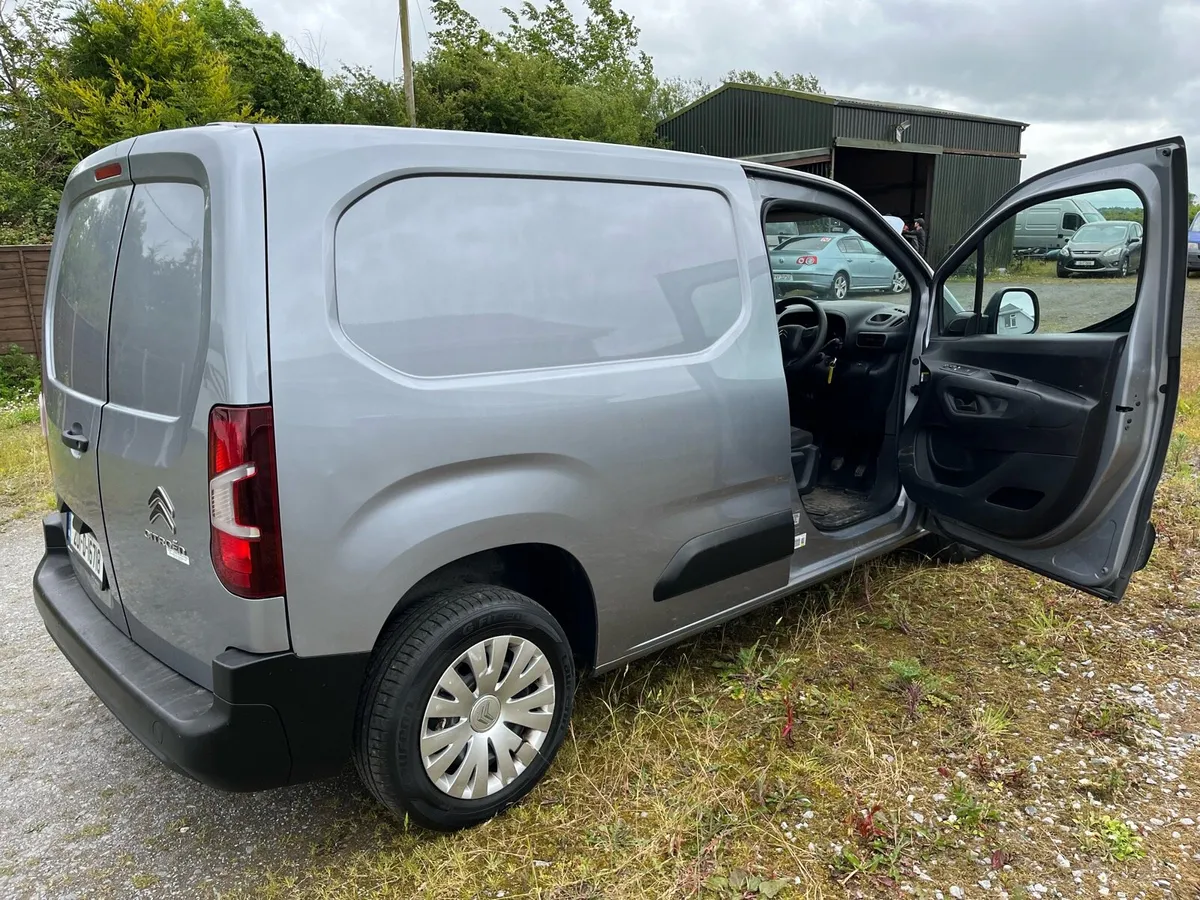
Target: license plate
[
  {"x": 85, "y": 547},
  {"x": 1085, "y": 262},
  {"x": 782, "y": 276}
]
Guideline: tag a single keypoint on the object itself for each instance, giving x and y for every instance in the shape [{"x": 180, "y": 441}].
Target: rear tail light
[
  {"x": 806, "y": 260},
  {"x": 247, "y": 550},
  {"x": 112, "y": 170}
]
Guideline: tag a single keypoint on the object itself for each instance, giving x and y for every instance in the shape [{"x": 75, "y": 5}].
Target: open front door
[{"x": 1046, "y": 386}]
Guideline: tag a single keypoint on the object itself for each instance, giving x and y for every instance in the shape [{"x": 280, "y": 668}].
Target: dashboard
[{"x": 862, "y": 326}]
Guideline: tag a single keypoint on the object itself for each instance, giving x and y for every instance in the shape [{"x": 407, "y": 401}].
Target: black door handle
[{"x": 75, "y": 440}]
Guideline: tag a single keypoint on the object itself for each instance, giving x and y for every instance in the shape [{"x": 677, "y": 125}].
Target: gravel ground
[{"x": 86, "y": 811}]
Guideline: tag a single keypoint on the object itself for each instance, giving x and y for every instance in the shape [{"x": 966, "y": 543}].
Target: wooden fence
[{"x": 22, "y": 289}]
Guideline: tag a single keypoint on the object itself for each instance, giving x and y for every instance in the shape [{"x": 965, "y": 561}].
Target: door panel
[
  {"x": 1011, "y": 429},
  {"x": 79, "y": 296},
  {"x": 1045, "y": 449}
]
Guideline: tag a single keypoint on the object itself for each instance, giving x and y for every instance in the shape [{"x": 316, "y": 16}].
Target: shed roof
[{"x": 852, "y": 102}]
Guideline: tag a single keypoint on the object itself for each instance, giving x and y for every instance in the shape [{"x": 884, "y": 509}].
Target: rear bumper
[{"x": 269, "y": 721}]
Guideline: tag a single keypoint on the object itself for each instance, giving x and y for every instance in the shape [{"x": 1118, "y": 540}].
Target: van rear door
[
  {"x": 188, "y": 333},
  {"x": 79, "y": 294}
]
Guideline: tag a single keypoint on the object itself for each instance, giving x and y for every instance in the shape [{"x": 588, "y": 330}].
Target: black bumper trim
[{"x": 271, "y": 720}]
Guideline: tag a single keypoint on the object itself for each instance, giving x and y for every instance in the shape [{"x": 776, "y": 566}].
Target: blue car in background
[
  {"x": 1194, "y": 245},
  {"x": 833, "y": 266}
]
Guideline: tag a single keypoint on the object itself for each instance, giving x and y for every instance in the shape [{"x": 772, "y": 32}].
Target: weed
[
  {"x": 1112, "y": 720},
  {"x": 969, "y": 813},
  {"x": 20, "y": 375},
  {"x": 98, "y": 829},
  {"x": 1043, "y": 660},
  {"x": 754, "y": 676},
  {"x": 740, "y": 884},
  {"x": 1107, "y": 786},
  {"x": 1109, "y": 837},
  {"x": 143, "y": 880},
  {"x": 988, "y": 723},
  {"x": 1044, "y": 625}
]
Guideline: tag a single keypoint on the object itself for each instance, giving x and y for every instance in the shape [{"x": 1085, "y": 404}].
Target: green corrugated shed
[{"x": 968, "y": 162}]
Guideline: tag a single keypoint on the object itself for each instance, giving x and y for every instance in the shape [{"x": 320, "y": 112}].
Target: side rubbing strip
[{"x": 726, "y": 552}]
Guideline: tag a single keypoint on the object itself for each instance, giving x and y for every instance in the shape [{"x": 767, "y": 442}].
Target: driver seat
[{"x": 805, "y": 455}]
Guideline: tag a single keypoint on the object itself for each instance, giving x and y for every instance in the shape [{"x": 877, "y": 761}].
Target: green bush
[{"x": 20, "y": 375}]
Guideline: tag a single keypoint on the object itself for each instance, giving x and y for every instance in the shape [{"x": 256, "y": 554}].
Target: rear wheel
[
  {"x": 1124, "y": 267},
  {"x": 465, "y": 704},
  {"x": 840, "y": 286},
  {"x": 899, "y": 283}
]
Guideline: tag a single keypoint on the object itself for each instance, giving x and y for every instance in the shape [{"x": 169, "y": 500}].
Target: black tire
[
  {"x": 1063, "y": 273},
  {"x": 1124, "y": 272},
  {"x": 844, "y": 276},
  {"x": 408, "y": 662},
  {"x": 938, "y": 549}
]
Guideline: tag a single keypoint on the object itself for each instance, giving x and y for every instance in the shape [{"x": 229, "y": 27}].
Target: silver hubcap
[
  {"x": 488, "y": 717},
  {"x": 840, "y": 287},
  {"x": 899, "y": 283}
]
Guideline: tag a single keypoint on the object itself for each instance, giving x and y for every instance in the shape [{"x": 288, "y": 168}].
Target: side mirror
[{"x": 1013, "y": 312}]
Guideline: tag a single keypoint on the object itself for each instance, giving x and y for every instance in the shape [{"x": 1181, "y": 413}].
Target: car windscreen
[
  {"x": 1196, "y": 223},
  {"x": 1100, "y": 234}
]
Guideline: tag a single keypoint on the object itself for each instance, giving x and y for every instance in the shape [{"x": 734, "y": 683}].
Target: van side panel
[
  {"x": 619, "y": 459},
  {"x": 189, "y": 331}
]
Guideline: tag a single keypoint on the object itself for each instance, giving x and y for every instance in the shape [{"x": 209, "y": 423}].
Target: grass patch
[
  {"x": 895, "y": 721},
  {"x": 25, "y": 484}
]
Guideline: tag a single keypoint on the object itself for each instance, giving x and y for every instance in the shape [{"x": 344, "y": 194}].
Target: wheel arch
[{"x": 545, "y": 573}]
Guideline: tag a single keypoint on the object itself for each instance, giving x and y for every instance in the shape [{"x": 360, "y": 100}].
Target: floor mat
[{"x": 831, "y": 507}]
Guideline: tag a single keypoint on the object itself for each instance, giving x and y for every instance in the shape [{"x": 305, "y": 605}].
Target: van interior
[{"x": 842, "y": 360}]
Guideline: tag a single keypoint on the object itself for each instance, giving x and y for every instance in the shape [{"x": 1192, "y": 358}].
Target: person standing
[{"x": 921, "y": 235}]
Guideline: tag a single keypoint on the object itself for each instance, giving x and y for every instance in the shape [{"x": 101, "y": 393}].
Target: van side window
[
  {"x": 83, "y": 290},
  {"x": 440, "y": 275},
  {"x": 158, "y": 301},
  {"x": 1072, "y": 221}
]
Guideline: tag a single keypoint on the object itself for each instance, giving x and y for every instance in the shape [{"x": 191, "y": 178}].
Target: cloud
[{"x": 1089, "y": 76}]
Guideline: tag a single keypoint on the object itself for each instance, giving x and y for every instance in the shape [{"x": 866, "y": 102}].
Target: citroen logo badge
[{"x": 162, "y": 509}]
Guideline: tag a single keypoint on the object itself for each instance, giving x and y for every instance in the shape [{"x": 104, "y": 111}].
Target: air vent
[
  {"x": 880, "y": 317},
  {"x": 871, "y": 339},
  {"x": 898, "y": 321}
]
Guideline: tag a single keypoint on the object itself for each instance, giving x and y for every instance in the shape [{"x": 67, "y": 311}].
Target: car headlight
[
  {"x": 1111, "y": 253},
  {"x": 1064, "y": 251},
  {"x": 1193, "y": 245}
]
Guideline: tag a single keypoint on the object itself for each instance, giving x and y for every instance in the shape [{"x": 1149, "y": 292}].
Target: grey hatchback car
[{"x": 356, "y": 459}]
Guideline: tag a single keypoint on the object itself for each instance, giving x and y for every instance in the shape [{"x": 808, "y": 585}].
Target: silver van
[
  {"x": 369, "y": 443},
  {"x": 1048, "y": 226}
]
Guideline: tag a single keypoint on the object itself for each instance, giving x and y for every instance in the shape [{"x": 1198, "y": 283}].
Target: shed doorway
[{"x": 895, "y": 182}]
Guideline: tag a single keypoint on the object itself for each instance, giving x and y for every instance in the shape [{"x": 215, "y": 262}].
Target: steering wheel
[{"x": 800, "y": 343}]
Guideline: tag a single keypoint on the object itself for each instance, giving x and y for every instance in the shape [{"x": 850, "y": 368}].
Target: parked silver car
[
  {"x": 321, "y": 496},
  {"x": 1102, "y": 248}
]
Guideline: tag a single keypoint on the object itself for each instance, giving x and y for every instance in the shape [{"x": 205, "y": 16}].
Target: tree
[
  {"x": 33, "y": 159},
  {"x": 362, "y": 98},
  {"x": 262, "y": 68},
  {"x": 134, "y": 66},
  {"x": 674, "y": 94},
  {"x": 546, "y": 74},
  {"x": 807, "y": 84}
]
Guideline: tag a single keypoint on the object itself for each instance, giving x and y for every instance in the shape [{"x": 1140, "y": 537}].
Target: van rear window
[
  {"x": 444, "y": 276},
  {"x": 83, "y": 291},
  {"x": 158, "y": 308}
]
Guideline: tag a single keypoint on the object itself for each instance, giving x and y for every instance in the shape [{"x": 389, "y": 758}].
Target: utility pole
[{"x": 410, "y": 96}]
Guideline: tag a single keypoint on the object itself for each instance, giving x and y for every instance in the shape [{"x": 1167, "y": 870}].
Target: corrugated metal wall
[
  {"x": 959, "y": 134},
  {"x": 740, "y": 123},
  {"x": 964, "y": 187}
]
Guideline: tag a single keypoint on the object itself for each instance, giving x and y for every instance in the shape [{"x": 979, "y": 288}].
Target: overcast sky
[{"x": 1088, "y": 76}]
